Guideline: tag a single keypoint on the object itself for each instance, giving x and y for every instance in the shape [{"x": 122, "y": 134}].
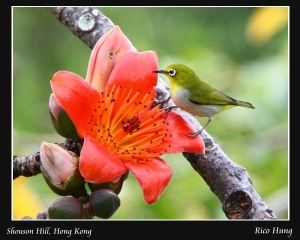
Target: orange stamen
[{"x": 123, "y": 123}]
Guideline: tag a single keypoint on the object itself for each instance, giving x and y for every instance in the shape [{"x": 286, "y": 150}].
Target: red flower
[{"x": 121, "y": 132}]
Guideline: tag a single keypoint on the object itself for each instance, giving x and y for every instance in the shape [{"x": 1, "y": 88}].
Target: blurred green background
[{"x": 242, "y": 51}]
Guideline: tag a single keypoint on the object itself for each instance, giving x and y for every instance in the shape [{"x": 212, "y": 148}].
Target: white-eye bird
[{"x": 193, "y": 95}]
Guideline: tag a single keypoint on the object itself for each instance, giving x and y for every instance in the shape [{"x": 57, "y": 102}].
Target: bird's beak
[{"x": 159, "y": 71}]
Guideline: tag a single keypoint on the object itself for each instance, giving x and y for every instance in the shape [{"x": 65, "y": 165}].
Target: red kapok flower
[{"x": 121, "y": 132}]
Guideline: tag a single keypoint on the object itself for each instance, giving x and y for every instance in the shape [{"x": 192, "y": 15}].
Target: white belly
[{"x": 181, "y": 99}]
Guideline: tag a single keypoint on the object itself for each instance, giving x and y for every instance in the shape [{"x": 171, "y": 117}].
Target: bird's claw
[
  {"x": 168, "y": 109},
  {"x": 195, "y": 134},
  {"x": 160, "y": 102},
  {"x": 156, "y": 101}
]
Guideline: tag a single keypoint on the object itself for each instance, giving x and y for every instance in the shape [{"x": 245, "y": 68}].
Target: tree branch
[
  {"x": 87, "y": 23},
  {"x": 227, "y": 180}
]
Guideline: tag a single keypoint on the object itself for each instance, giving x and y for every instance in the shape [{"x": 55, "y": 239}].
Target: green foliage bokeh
[{"x": 212, "y": 41}]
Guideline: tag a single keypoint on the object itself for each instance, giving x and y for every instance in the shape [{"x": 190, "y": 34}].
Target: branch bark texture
[
  {"x": 227, "y": 180},
  {"x": 87, "y": 23}
]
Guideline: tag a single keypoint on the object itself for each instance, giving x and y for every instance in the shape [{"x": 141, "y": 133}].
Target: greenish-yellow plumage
[{"x": 193, "y": 95}]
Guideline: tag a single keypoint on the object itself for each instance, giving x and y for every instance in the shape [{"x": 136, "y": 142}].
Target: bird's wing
[
  {"x": 213, "y": 97},
  {"x": 224, "y": 98}
]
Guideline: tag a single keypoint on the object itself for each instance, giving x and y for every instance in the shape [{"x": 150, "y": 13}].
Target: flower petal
[
  {"x": 76, "y": 97},
  {"x": 97, "y": 164},
  {"x": 134, "y": 69},
  {"x": 105, "y": 54},
  {"x": 180, "y": 141},
  {"x": 153, "y": 177}
]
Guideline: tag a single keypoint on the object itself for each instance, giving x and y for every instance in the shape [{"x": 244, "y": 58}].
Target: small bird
[{"x": 193, "y": 95}]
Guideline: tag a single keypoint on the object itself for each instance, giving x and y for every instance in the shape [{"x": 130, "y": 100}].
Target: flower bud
[
  {"x": 60, "y": 170},
  {"x": 116, "y": 186},
  {"x": 60, "y": 119},
  {"x": 104, "y": 203},
  {"x": 66, "y": 208},
  {"x": 57, "y": 162}
]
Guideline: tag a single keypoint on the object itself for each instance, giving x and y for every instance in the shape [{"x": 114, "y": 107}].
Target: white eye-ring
[{"x": 172, "y": 72}]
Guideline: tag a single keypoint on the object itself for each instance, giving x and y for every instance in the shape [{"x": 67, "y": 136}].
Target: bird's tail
[{"x": 245, "y": 104}]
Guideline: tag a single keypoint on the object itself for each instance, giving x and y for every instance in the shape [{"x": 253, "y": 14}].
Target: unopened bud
[
  {"x": 60, "y": 119},
  {"x": 104, "y": 203},
  {"x": 56, "y": 161},
  {"x": 115, "y": 185},
  {"x": 66, "y": 208},
  {"x": 61, "y": 172}
]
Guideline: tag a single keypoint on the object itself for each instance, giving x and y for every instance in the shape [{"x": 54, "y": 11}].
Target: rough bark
[
  {"x": 227, "y": 180},
  {"x": 87, "y": 23}
]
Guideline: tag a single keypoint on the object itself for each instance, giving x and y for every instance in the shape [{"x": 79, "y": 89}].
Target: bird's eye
[{"x": 172, "y": 72}]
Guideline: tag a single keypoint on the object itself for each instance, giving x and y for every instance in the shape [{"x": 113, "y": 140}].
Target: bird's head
[{"x": 177, "y": 73}]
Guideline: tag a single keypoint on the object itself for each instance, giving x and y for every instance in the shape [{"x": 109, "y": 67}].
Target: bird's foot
[
  {"x": 195, "y": 134},
  {"x": 168, "y": 109},
  {"x": 160, "y": 102}
]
